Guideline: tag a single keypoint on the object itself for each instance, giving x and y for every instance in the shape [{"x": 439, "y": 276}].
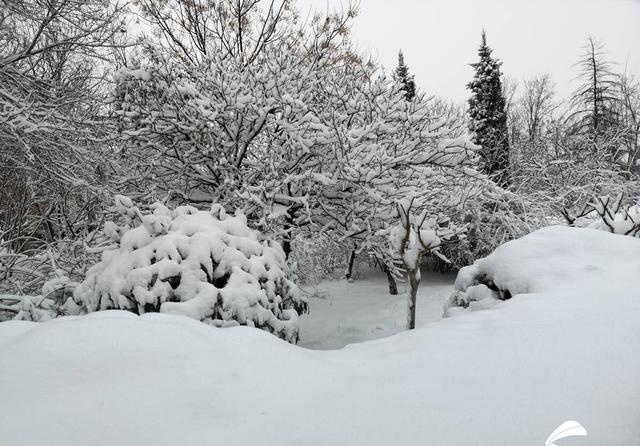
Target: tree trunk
[
  {"x": 286, "y": 246},
  {"x": 393, "y": 286},
  {"x": 352, "y": 258},
  {"x": 288, "y": 226},
  {"x": 414, "y": 280}
]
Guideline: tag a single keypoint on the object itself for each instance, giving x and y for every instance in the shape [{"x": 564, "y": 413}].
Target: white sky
[{"x": 439, "y": 38}]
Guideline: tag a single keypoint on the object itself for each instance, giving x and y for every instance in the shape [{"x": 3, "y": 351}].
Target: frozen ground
[
  {"x": 348, "y": 312},
  {"x": 567, "y": 348}
]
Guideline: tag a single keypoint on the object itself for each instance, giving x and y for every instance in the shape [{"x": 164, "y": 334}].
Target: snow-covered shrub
[
  {"x": 35, "y": 282},
  {"x": 608, "y": 214},
  {"x": 42, "y": 307},
  {"x": 493, "y": 217},
  {"x": 209, "y": 266},
  {"x": 624, "y": 222}
]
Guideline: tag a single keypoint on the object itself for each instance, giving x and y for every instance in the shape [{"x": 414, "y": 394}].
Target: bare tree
[
  {"x": 53, "y": 135},
  {"x": 629, "y": 116},
  {"x": 594, "y": 101},
  {"x": 239, "y": 29},
  {"x": 536, "y": 104},
  {"x": 509, "y": 91}
]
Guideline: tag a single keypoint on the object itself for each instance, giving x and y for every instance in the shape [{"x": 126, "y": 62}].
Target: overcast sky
[{"x": 440, "y": 38}]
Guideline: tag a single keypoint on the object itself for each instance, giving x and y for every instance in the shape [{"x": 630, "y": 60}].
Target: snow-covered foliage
[
  {"x": 231, "y": 118},
  {"x": 42, "y": 307},
  {"x": 494, "y": 216},
  {"x": 25, "y": 271},
  {"x": 35, "y": 283},
  {"x": 303, "y": 134},
  {"x": 626, "y": 222},
  {"x": 608, "y": 214},
  {"x": 209, "y": 266}
]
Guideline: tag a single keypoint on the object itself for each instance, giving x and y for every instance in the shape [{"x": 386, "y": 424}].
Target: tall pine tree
[
  {"x": 401, "y": 75},
  {"x": 488, "y": 117}
]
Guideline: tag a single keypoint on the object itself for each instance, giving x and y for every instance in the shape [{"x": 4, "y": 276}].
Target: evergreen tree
[
  {"x": 401, "y": 75},
  {"x": 488, "y": 117}
]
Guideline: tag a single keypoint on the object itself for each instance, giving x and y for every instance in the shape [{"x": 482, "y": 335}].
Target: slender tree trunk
[
  {"x": 286, "y": 246},
  {"x": 414, "y": 282},
  {"x": 352, "y": 258},
  {"x": 393, "y": 285},
  {"x": 288, "y": 226}
]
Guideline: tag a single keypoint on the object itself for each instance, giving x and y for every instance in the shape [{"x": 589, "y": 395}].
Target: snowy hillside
[{"x": 510, "y": 375}]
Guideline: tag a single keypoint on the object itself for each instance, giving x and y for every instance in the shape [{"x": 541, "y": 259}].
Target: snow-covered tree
[
  {"x": 386, "y": 149},
  {"x": 414, "y": 237},
  {"x": 206, "y": 265},
  {"x": 406, "y": 80},
  {"x": 55, "y": 140},
  {"x": 536, "y": 105},
  {"x": 231, "y": 121},
  {"x": 298, "y": 135},
  {"x": 487, "y": 116},
  {"x": 301, "y": 137}
]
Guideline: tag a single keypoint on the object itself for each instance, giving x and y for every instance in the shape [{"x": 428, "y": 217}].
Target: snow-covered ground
[
  {"x": 569, "y": 348},
  {"x": 344, "y": 312}
]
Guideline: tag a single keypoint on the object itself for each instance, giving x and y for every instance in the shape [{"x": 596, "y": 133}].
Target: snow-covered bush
[
  {"x": 209, "y": 266},
  {"x": 42, "y": 307},
  {"x": 608, "y": 214},
  {"x": 493, "y": 216},
  {"x": 35, "y": 282}
]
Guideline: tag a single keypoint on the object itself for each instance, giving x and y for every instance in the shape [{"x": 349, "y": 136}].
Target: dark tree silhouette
[{"x": 488, "y": 118}]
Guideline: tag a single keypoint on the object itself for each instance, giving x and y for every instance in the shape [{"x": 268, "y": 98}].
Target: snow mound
[
  {"x": 209, "y": 266},
  {"x": 553, "y": 259}
]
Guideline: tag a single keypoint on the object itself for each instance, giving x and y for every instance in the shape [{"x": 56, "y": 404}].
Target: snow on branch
[{"x": 607, "y": 214}]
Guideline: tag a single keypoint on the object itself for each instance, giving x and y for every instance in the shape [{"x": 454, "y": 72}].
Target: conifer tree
[
  {"x": 401, "y": 75},
  {"x": 488, "y": 117}
]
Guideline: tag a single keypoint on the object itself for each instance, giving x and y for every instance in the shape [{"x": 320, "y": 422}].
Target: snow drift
[
  {"x": 565, "y": 348},
  {"x": 556, "y": 259}
]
